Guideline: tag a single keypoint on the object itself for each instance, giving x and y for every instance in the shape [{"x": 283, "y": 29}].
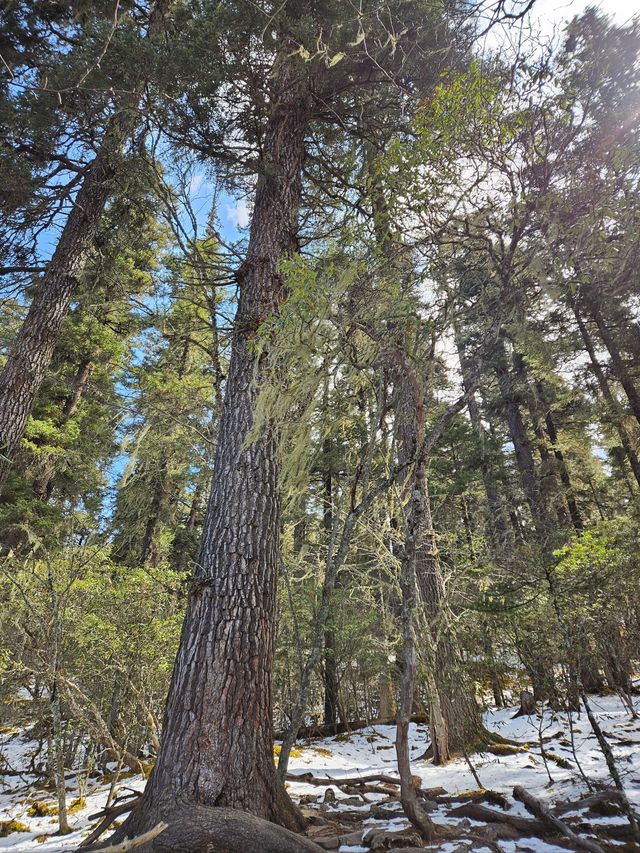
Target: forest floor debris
[{"x": 358, "y": 810}]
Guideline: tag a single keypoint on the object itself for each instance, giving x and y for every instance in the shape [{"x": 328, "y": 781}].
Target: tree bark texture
[{"x": 217, "y": 743}]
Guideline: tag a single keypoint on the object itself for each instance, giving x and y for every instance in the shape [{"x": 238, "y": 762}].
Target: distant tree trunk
[
  {"x": 32, "y": 350},
  {"x": 387, "y": 706},
  {"x": 615, "y": 411},
  {"x": 58, "y": 756},
  {"x": 180, "y": 546},
  {"x": 618, "y": 365},
  {"x": 551, "y": 493},
  {"x": 497, "y": 523},
  {"x": 456, "y": 723},
  {"x": 552, "y": 432},
  {"x": 217, "y": 739},
  {"x": 330, "y": 663},
  {"x": 42, "y": 485},
  {"x": 522, "y": 449},
  {"x": 413, "y": 532},
  {"x": 160, "y": 499},
  {"x": 590, "y": 677},
  {"x": 455, "y": 720}
]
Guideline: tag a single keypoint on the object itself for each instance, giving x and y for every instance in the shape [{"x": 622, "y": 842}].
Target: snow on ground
[{"x": 369, "y": 751}]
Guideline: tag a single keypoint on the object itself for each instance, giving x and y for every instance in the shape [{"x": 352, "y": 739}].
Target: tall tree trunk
[
  {"x": 31, "y": 353},
  {"x": 497, "y": 523},
  {"x": 180, "y": 546},
  {"x": 552, "y": 432},
  {"x": 42, "y": 485},
  {"x": 454, "y": 715},
  {"x": 523, "y": 451},
  {"x": 413, "y": 534},
  {"x": 160, "y": 501},
  {"x": 615, "y": 411},
  {"x": 217, "y": 741},
  {"x": 618, "y": 365},
  {"x": 330, "y": 663}
]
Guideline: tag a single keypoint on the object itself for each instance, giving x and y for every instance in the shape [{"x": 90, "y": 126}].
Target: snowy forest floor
[{"x": 369, "y": 817}]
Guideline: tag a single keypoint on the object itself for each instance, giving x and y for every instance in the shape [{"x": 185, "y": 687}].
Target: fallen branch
[
  {"x": 132, "y": 843},
  {"x": 310, "y": 779},
  {"x": 537, "y": 808},
  {"x": 524, "y": 825},
  {"x": 108, "y": 816}
]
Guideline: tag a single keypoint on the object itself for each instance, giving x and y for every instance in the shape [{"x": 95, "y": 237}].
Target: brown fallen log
[
  {"x": 538, "y": 808},
  {"x": 475, "y": 811},
  {"x": 530, "y": 826},
  {"x": 325, "y": 730},
  {"x": 310, "y": 779}
]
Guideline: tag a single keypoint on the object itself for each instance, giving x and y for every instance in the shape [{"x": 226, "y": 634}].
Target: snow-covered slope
[{"x": 370, "y": 751}]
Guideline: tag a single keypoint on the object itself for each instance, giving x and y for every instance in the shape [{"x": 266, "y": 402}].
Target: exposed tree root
[
  {"x": 486, "y": 742},
  {"x": 195, "y": 828},
  {"x": 541, "y": 811},
  {"x": 135, "y": 843}
]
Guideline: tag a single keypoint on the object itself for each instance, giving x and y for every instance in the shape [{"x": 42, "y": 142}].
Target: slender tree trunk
[
  {"x": 456, "y": 723},
  {"x": 31, "y": 353},
  {"x": 455, "y": 717},
  {"x": 552, "y": 432},
  {"x": 615, "y": 412},
  {"x": 330, "y": 663},
  {"x": 58, "y": 756},
  {"x": 336, "y": 554},
  {"x": 217, "y": 741},
  {"x": 618, "y": 365},
  {"x": 180, "y": 546},
  {"x": 42, "y": 486},
  {"x": 160, "y": 500},
  {"x": 523, "y": 452},
  {"x": 454, "y": 714},
  {"x": 497, "y": 523}
]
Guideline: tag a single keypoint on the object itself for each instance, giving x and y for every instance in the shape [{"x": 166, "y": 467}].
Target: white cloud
[
  {"x": 196, "y": 184},
  {"x": 238, "y": 214}
]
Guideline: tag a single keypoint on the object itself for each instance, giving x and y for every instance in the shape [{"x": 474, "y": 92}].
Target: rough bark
[
  {"x": 217, "y": 735},
  {"x": 196, "y": 828}
]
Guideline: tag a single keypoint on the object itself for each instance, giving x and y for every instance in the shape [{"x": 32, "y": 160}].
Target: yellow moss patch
[
  {"x": 320, "y": 750},
  {"x": 41, "y": 838},
  {"x": 77, "y": 805},
  {"x": 504, "y": 749},
  {"x": 9, "y": 826},
  {"x": 559, "y": 760},
  {"x": 42, "y": 809},
  {"x": 147, "y": 767},
  {"x": 296, "y": 752}
]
